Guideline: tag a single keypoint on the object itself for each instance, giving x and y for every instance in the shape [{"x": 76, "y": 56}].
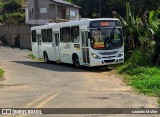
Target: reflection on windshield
[{"x": 106, "y": 38}]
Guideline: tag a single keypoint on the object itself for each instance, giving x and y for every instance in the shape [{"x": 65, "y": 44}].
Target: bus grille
[
  {"x": 108, "y": 53},
  {"x": 109, "y": 57},
  {"x": 108, "y": 61}
]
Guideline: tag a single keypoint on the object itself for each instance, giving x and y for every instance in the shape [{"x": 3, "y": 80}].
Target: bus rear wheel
[
  {"x": 46, "y": 60},
  {"x": 76, "y": 62}
]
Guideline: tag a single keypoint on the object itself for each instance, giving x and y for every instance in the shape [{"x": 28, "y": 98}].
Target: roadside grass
[
  {"x": 141, "y": 75},
  {"x": 144, "y": 79},
  {"x": 1, "y": 73},
  {"x": 31, "y": 56}
]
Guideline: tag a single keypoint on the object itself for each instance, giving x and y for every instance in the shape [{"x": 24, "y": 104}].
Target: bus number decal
[
  {"x": 76, "y": 46},
  {"x": 67, "y": 46}
]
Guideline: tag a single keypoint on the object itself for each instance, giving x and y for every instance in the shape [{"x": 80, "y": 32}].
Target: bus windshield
[{"x": 106, "y": 38}]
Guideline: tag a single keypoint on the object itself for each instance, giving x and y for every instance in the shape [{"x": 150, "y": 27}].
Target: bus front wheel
[
  {"x": 45, "y": 55},
  {"x": 76, "y": 62}
]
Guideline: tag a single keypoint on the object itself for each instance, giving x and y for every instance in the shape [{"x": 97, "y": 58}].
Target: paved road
[{"x": 32, "y": 84}]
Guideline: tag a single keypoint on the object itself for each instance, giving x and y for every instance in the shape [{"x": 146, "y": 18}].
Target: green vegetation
[
  {"x": 145, "y": 79},
  {"x": 1, "y": 5},
  {"x": 11, "y": 6},
  {"x": 70, "y": 1},
  {"x": 14, "y": 18},
  {"x": 141, "y": 75},
  {"x": 31, "y": 56},
  {"x": 1, "y": 73},
  {"x": 141, "y": 70},
  {"x": 92, "y": 8},
  {"x": 11, "y": 12}
]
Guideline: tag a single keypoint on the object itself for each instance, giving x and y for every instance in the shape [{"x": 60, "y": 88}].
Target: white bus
[{"x": 89, "y": 42}]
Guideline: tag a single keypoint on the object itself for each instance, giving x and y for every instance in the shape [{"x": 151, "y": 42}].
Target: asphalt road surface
[{"x": 32, "y": 84}]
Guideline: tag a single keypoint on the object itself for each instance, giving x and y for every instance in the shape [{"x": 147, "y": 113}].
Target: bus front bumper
[{"x": 101, "y": 62}]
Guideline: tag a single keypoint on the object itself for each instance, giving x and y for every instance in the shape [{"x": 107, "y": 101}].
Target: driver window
[{"x": 98, "y": 38}]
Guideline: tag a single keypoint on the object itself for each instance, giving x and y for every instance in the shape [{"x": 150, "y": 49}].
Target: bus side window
[
  {"x": 49, "y": 35},
  {"x": 34, "y": 36},
  {"x": 65, "y": 34},
  {"x": 75, "y": 34},
  {"x": 44, "y": 35}
]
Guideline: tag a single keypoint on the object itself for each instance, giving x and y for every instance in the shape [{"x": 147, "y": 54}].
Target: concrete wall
[
  {"x": 50, "y": 7},
  {"x": 11, "y": 31},
  {"x": 52, "y": 12},
  {"x": 70, "y": 15},
  {"x": 76, "y": 17},
  {"x": 60, "y": 12},
  {"x": 34, "y": 9},
  {"x": 31, "y": 15}
]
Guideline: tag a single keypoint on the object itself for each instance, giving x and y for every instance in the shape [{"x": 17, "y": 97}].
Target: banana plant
[
  {"x": 153, "y": 20},
  {"x": 132, "y": 27},
  {"x": 128, "y": 23},
  {"x": 139, "y": 29}
]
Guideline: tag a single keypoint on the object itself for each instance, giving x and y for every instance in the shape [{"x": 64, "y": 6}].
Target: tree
[
  {"x": 11, "y": 6},
  {"x": 142, "y": 32},
  {"x": 140, "y": 6},
  {"x": 11, "y": 12},
  {"x": 70, "y": 1},
  {"x": 90, "y": 7}
]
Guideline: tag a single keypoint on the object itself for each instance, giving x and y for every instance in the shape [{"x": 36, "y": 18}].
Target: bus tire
[
  {"x": 76, "y": 63},
  {"x": 45, "y": 56}
]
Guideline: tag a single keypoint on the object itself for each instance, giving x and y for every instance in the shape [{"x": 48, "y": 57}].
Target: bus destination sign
[{"x": 105, "y": 23}]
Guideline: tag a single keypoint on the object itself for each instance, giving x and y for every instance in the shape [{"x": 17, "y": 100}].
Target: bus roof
[{"x": 83, "y": 21}]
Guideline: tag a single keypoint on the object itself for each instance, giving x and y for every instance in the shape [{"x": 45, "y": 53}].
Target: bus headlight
[
  {"x": 95, "y": 56},
  {"x": 121, "y": 54}
]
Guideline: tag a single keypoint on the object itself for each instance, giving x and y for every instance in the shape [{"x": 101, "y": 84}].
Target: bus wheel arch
[
  {"x": 45, "y": 57},
  {"x": 75, "y": 60}
]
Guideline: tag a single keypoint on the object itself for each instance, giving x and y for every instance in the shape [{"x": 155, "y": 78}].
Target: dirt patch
[
  {"x": 2, "y": 79},
  {"x": 12, "y": 85},
  {"x": 18, "y": 87},
  {"x": 100, "y": 98}
]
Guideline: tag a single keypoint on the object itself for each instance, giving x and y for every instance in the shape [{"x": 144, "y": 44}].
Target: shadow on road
[{"x": 62, "y": 67}]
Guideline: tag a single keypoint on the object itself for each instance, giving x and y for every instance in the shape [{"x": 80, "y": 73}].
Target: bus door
[
  {"x": 56, "y": 47},
  {"x": 39, "y": 43},
  {"x": 85, "y": 46}
]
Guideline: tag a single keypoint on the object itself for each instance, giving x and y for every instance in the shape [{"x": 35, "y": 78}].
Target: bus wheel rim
[
  {"x": 77, "y": 62},
  {"x": 45, "y": 58}
]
